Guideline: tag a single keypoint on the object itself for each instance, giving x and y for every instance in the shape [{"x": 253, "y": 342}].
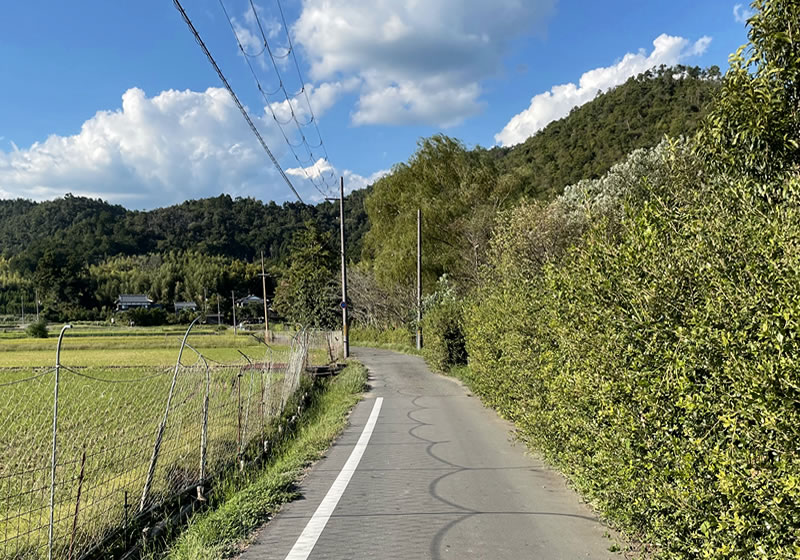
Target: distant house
[
  {"x": 133, "y": 301},
  {"x": 181, "y": 306},
  {"x": 249, "y": 300}
]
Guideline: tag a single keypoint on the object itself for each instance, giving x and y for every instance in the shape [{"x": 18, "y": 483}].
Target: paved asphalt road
[{"x": 439, "y": 478}]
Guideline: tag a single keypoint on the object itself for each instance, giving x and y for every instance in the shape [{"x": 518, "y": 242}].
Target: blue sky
[{"x": 116, "y": 100}]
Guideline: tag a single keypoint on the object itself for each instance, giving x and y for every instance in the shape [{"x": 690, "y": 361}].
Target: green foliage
[
  {"x": 754, "y": 127},
  {"x": 14, "y": 288},
  {"x": 459, "y": 192},
  {"x": 647, "y": 341},
  {"x": 307, "y": 291},
  {"x": 173, "y": 276},
  {"x": 237, "y": 228},
  {"x": 37, "y": 329},
  {"x": 144, "y": 317},
  {"x": 655, "y": 360},
  {"x": 80, "y": 252},
  {"x": 442, "y": 327}
]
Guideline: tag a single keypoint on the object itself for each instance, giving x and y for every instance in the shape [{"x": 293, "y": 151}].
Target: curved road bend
[{"x": 438, "y": 478}]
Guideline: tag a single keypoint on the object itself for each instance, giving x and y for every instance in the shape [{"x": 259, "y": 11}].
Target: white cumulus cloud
[
  {"x": 742, "y": 14},
  {"x": 151, "y": 152},
  {"x": 418, "y": 62},
  {"x": 561, "y": 99},
  {"x": 321, "y": 97},
  {"x": 322, "y": 171}
]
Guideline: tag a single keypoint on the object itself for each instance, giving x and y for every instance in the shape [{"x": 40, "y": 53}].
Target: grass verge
[
  {"x": 397, "y": 339},
  {"x": 220, "y": 533}
]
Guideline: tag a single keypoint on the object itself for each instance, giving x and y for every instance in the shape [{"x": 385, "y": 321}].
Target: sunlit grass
[
  {"x": 220, "y": 532},
  {"x": 111, "y": 401}
]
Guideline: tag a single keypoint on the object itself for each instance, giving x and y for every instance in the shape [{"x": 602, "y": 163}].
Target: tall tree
[
  {"x": 307, "y": 288},
  {"x": 754, "y": 126},
  {"x": 459, "y": 192}
]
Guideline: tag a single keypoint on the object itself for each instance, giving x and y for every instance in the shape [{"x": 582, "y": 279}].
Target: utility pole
[
  {"x": 36, "y": 295},
  {"x": 233, "y": 301},
  {"x": 345, "y": 338},
  {"x": 264, "y": 290},
  {"x": 419, "y": 279}
]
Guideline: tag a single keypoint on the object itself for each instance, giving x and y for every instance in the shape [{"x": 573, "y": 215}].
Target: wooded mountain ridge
[{"x": 75, "y": 232}]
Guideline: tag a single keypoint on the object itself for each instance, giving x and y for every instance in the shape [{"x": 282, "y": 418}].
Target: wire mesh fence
[
  {"x": 330, "y": 344},
  {"x": 86, "y": 451}
]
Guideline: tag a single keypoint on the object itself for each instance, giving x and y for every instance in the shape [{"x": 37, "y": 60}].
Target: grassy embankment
[
  {"x": 398, "y": 339},
  {"x": 240, "y": 509}
]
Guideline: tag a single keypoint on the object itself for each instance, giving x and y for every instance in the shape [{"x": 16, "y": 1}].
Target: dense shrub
[
  {"x": 37, "y": 329},
  {"x": 307, "y": 293},
  {"x": 442, "y": 327},
  {"x": 652, "y": 349},
  {"x": 63, "y": 312},
  {"x": 657, "y": 361}
]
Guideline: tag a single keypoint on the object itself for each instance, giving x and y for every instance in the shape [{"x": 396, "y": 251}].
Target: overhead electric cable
[
  {"x": 300, "y": 76},
  {"x": 235, "y": 98},
  {"x": 286, "y": 94},
  {"x": 268, "y": 103}
]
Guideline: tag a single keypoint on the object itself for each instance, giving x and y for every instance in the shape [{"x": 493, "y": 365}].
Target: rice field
[{"x": 113, "y": 392}]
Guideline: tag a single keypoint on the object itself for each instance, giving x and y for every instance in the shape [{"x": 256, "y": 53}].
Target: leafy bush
[
  {"x": 182, "y": 318},
  {"x": 656, "y": 361},
  {"x": 63, "y": 312},
  {"x": 442, "y": 327},
  {"x": 653, "y": 350},
  {"x": 144, "y": 317},
  {"x": 37, "y": 329},
  {"x": 307, "y": 293}
]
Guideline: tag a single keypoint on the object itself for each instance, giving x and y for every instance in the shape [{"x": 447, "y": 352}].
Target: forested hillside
[
  {"x": 238, "y": 228},
  {"x": 461, "y": 191},
  {"x": 584, "y": 145},
  {"x": 77, "y": 251},
  {"x": 81, "y": 253}
]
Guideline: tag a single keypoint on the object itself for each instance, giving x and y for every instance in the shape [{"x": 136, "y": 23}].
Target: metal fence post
[
  {"x": 160, "y": 434},
  {"x": 245, "y": 439},
  {"x": 53, "y": 456},
  {"x": 239, "y": 431},
  {"x": 261, "y": 406},
  {"x": 204, "y": 436},
  {"x": 77, "y": 504}
]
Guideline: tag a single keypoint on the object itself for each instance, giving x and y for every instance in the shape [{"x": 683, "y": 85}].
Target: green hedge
[
  {"x": 656, "y": 362},
  {"x": 443, "y": 328}
]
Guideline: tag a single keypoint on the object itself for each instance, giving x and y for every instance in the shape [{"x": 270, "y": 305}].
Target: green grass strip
[{"x": 221, "y": 532}]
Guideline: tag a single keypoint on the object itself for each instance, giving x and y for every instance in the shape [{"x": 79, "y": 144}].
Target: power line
[
  {"x": 268, "y": 104},
  {"x": 303, "y": 83},
  {"x": 286, "y": 94},
  {"x": 235, "y": 98},
  {"x": 283, "y": 88}
]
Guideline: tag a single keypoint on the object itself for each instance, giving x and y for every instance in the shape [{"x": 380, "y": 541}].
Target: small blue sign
[{"x": 343, "y": 304}]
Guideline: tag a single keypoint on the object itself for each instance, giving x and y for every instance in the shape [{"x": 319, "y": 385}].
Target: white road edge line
[{"x": 308, "y": 538}]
